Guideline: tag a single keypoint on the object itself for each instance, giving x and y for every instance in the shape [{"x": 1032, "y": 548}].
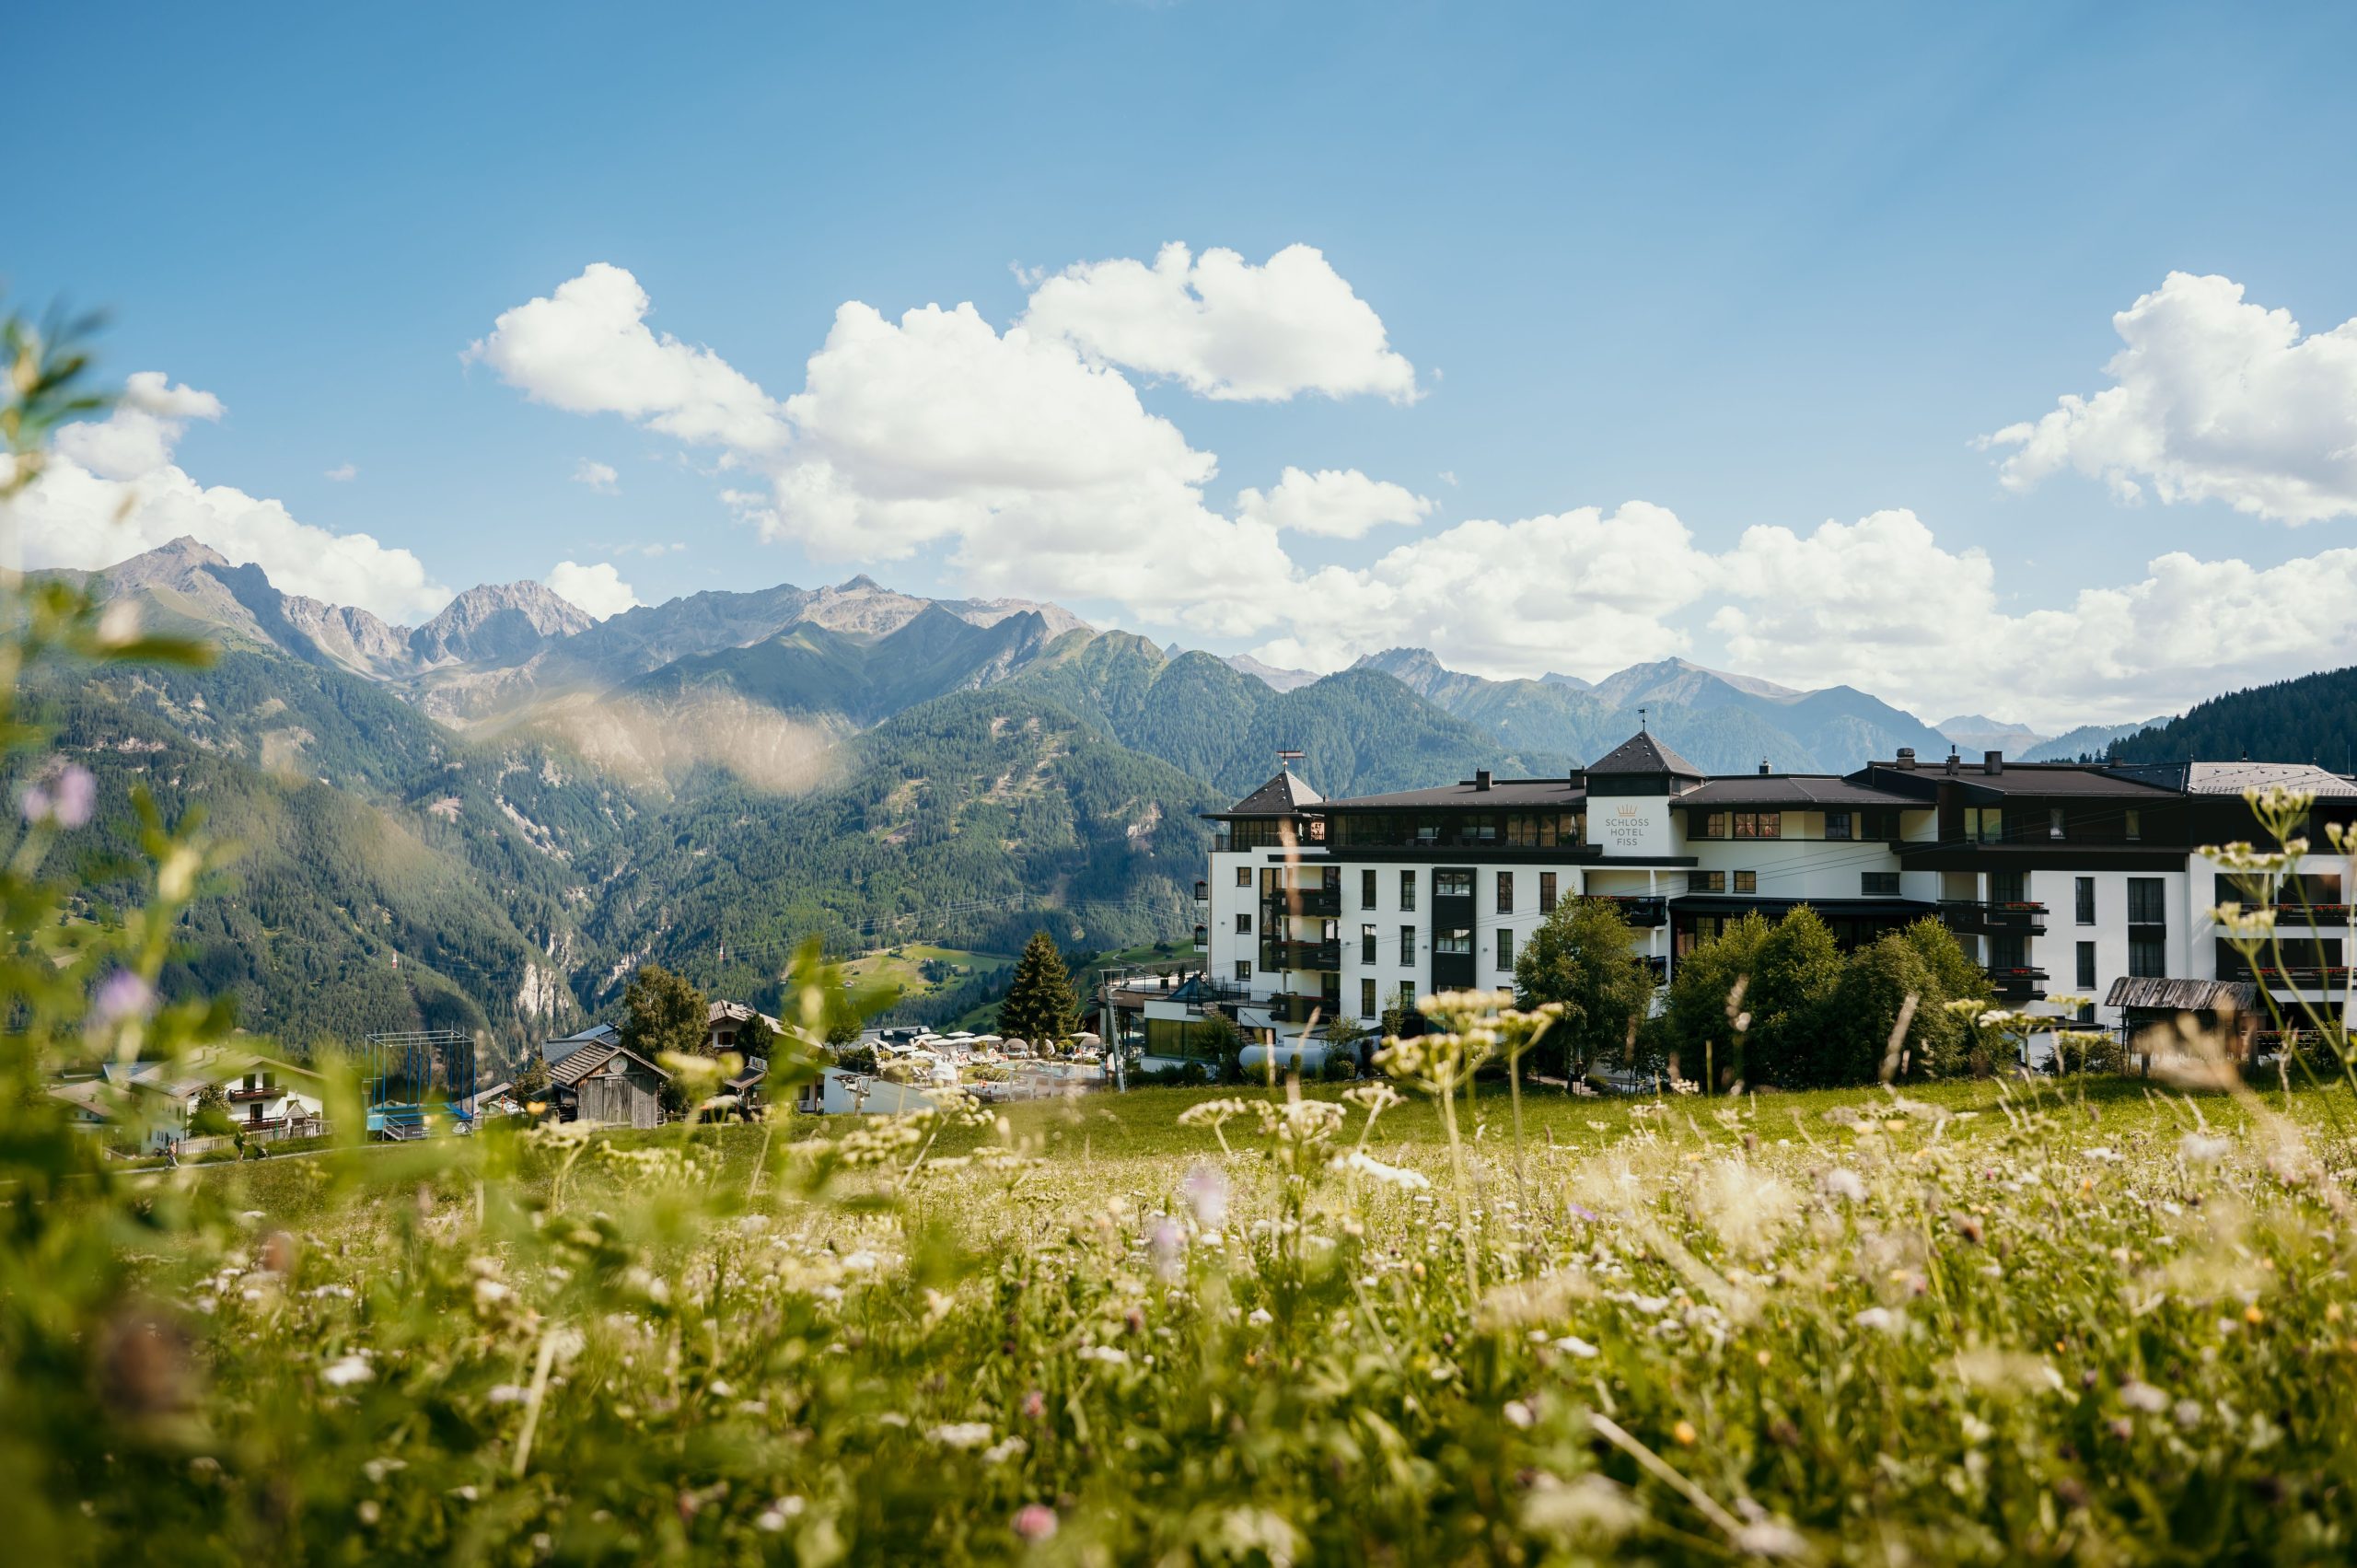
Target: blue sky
[{"x": 1747, "y": 266}]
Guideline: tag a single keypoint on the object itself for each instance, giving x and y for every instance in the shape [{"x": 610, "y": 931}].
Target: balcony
[
  {"x": 1202, "y": 936},
  {"x": 1302, "y": 901},
  {"x": 2002, "y": 916},
  {"x": 2297, "y": 915},
  {"x": 2300, "y": 977},
  {"x": 2018, "y": 983},
  {"x": 1203, "y": 891},
  {"x": 242, "y": 1096},
  {"x": 1639, "y": 910},
  {"x": 1313, "y": 956},
  {"x": 1288, "y": 1008}
]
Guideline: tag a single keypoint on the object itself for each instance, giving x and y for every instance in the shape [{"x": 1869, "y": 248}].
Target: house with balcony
[
  {"x": 2060, "y": 879},
  {"x": 265, "y": 1098}
]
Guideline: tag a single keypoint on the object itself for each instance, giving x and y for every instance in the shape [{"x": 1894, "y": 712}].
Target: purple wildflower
[
  {"x": 1206, "y": 1191},
  {"x": 125, "y": 995},
  {"x": 64, "y": 796}
]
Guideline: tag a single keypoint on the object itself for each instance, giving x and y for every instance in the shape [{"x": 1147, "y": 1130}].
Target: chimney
[
  {"x": 1481, "y": 778},
  {"x": 1992, "y": 761},
  {"x": 1764, "y": 767},
  {"x": 1952, "y": 762},
  {"x": 1907, "y": 758}
]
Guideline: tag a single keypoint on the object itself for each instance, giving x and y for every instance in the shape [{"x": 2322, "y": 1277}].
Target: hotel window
[
  {"x": 1706, "y": 881},
  {"x": 1452, "y": 884},
  {"x": 2053, "y": 821},
  {"x": 1878, "y": 884},
  {"x": 1243, "y": 876},
  {"x": 1366, "y": 944},
  {"x": 1244, "y": 925},
  {"x": 1244, "y": 968},
  {"x": 1505, "y": 892},
  {"x": 2083, "y": 900},
  {"x": 1746, "y": 881},
  {"x": 2087, "y": 975},
  {"x": 1458, "y": 942},
  {"x": 1505, "y": 951},
  {"x": 1836, "y": 824},
  {"x": 1366, "y": 997},
  {"x": 1881, "y": 823},
  {"x": 1407, "y": 891},
  {"x": 1408, "y": 946},
  {"x": 2147, "y": 956},
  {"x": 2146, "y": 906},
  {"x": 2133, "y": 824},
  {"x": 1366, "y": 888},
  {"x": 1546, "y": 892},
  {"x": 1407, "y": 997},
  {"x": 1758, "y": 825},
  {"x": 1715, "y": 825}
]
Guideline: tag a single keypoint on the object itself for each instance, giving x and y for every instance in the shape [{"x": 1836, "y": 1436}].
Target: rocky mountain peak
[{"x": 497, "y": 622}]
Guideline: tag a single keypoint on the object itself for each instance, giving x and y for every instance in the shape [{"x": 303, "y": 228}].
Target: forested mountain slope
[
  {"x": 2312, "y": 718},
  {"x": 1362, "y": 732},
  {"x": 971, "y": 819}
]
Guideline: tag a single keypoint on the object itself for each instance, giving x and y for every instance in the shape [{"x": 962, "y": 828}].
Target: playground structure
[{"x": 398, "y": 1067}]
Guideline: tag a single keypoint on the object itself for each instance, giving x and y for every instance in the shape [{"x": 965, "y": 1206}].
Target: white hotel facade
[{"x": 2060, "y": 879}]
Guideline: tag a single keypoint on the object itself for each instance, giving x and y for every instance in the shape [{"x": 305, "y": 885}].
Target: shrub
[{"x": 2089, "y": 1050}]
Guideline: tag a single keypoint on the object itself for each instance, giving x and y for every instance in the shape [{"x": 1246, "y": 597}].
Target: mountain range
[{"x": 487, "y": 820}]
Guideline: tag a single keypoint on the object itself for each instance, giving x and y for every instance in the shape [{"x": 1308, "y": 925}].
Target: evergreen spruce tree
[{"x": 1040, "y": 1006}]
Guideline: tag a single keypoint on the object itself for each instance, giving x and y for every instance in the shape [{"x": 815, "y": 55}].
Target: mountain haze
[{"x": 1721, "y": 722}]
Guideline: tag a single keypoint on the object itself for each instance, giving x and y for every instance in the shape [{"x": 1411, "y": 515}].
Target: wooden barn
[{"x": 609, "y": 1085}]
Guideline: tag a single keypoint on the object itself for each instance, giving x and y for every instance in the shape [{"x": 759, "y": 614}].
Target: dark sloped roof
[
  {"x": 557, "y": 1050},
  {"x": 2049, "y": 778},
  {"x": 1560, "y": 794},
  {"x": 1641, "y": 753},
  {"x": 581, "y": 1064},
  {"x": 1281, "y": 797},
  {"x": 1794, "y": 790},
  {"x": 2183, "y": 995},
  {"x": 2233, "y": 778}
]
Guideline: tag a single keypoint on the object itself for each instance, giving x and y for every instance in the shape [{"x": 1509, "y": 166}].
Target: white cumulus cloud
[
  {"x": 586, "y": 349},
  {"x": 599, "y": 477},
  {"x": 1225, "y": 328},
  {"x": 2213, "y": 399},
  {"x": 1881, "y": 605},
  {"x": 1568, "y": 591},
  {"x": 598, "y": 589},
  {"x": 343, "y": 474},
  {"x": 111, "y": 490},
  {"x": 1337, "y": 503}
]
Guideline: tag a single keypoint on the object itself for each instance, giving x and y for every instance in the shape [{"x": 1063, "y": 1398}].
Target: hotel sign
[{"x": 1630, "y": 827}]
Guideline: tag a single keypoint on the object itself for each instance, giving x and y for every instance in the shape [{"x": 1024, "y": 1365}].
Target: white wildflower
[
  {"x": 2138, "y": 1394},
  {"x": 1842, "y": 1183},
  {"x": 1592, "y": 1507},
  {"x": 961, "y": 1434},
  {"x": 1398, "y": 1176},
  {"x": 353, "y": 1368}
]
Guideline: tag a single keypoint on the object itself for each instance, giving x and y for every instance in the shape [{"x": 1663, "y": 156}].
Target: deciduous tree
[{"x": 1584, "y": 956}]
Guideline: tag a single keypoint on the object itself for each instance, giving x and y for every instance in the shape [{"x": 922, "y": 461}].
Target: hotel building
[{"x": 2060, "y": 879}]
